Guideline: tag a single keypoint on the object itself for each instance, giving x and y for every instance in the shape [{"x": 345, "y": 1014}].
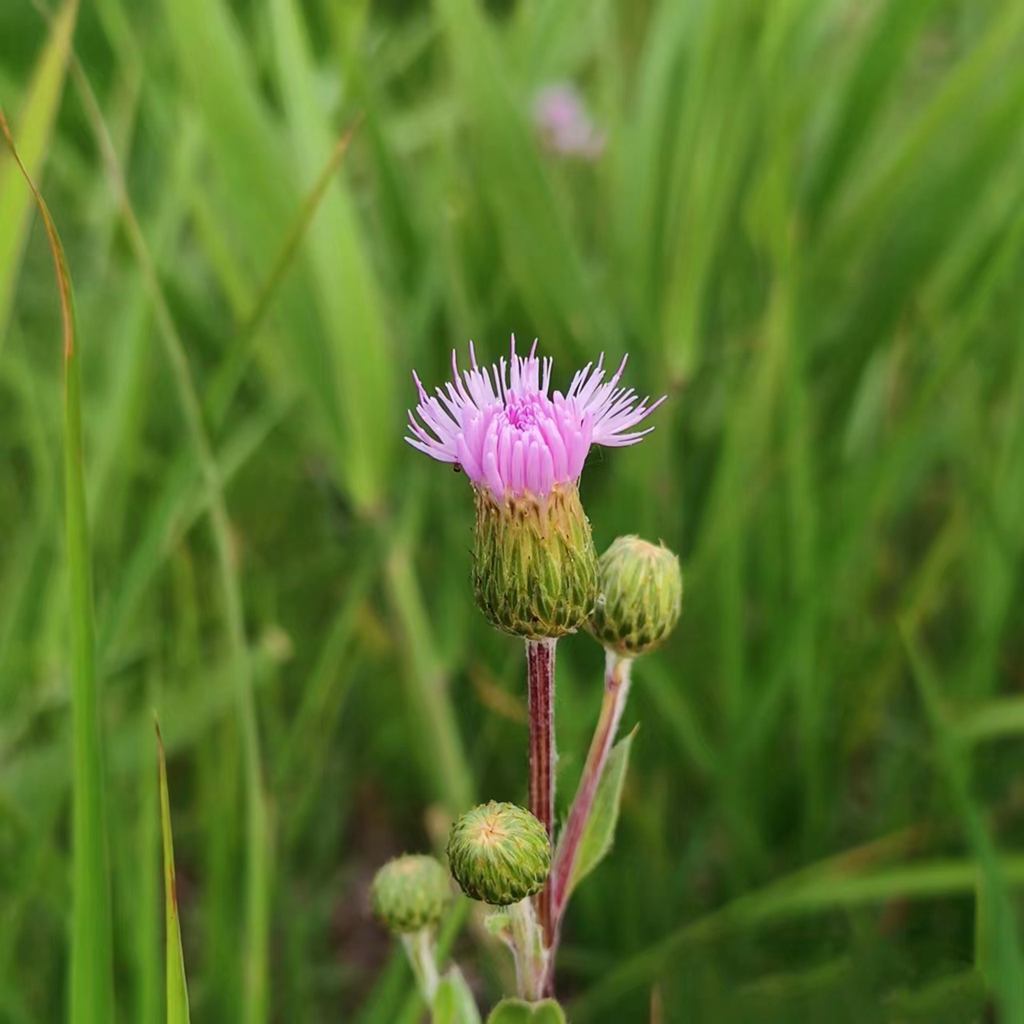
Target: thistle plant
[{"x": 536, "y": 575}]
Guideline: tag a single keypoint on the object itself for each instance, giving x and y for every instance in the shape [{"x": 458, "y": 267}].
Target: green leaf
[
  {"x": 600, "y": 831},
  {"x": 92, "y": 972},
  {"x": 453, "y": 1002},
  {"x": 515, "y": 1011},
  {"x": 177, "y": 990}
]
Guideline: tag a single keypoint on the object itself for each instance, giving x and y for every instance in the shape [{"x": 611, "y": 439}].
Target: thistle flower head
[
  {"x": 565, "y": 127},
  {"x": 410, "y": 893},
  {"x": 499, "y": 853},
  {"x": 512, "y": 435},
  {"x": 641, "y": 596}
]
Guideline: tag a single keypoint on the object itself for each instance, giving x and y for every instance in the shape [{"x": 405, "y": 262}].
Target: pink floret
[
  {"x": 561, "y": 119},
  {"x": 510, "y": 435}
]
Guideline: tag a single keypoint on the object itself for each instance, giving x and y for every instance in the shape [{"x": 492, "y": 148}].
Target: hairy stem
[
  {"x": 419, "y": 948},
  {"x": 616, "y": 691},
  {"x": 527, "y": 943},
  {"x": 540, "y": 662}
]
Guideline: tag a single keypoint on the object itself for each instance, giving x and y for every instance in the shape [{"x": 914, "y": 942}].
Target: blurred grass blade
[
  {"x": 92, "y": 978},
  {"x": 539, "y": 252},
  {"x": 999, "y": 952},
  {"x": 37, "y": 115},
  {"x": 347, "y": 292},
  {"x": 230, "y": 374},
  {"x": 177, "y": 990},
  {"x": 894, "y": 29},
  {"x": 441, "y": 751},
  {"x": 337, "y": 336}
]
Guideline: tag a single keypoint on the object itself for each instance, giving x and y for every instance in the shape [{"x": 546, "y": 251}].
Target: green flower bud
[
  {"x": 641, "y": 596},
  {"x": 534, "y": 563},
  {"x": 410, "y": 893},
  {"x": 499, "y": 853}
]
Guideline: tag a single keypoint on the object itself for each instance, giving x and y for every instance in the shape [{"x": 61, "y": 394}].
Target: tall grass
[
  {"x": 807, "y": 227},
  {"x": 91, "y": 995}
]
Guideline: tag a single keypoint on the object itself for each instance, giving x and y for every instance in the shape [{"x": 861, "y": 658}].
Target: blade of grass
[
  {"x": 443, "y": 757},
  {"x": 142, "y": 916},
  {"x": 177, "y": 988},
  {"x": 229, "y": 375},
  {"x": 34, "y": 126},
  {"x": 92, "y": 975}
]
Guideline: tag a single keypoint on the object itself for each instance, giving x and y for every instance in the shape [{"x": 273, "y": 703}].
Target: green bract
[
  {"x": 534, "y": 563},
  {"x": 641, "y": 596},
  {"x": 410, "y": 892},
  {"x": 499, "y": 853}
]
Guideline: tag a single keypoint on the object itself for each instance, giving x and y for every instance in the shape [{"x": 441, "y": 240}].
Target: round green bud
[
  {"x": 410, "y": 892},
  {"x": 641, "y": 596},
  {"x": 499, "y": 853},
  {"x": 534, "y": 563}
]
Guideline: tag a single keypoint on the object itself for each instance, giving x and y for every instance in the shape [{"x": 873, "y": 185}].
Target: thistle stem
[
  {"x": 419, "y": 948},
  {"x": 540, "y": 662},
  {"x": 616, "y": 691},
  {"x": 527, "y": 943}
]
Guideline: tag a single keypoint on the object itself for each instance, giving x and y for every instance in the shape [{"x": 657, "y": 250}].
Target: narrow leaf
[
  {"x": 600, "y": 830},
  {"x": 91, "y": 997},
  {"x": 177, "y": 990}
]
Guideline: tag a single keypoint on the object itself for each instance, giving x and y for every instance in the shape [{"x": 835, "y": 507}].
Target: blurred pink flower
[
  {"x": 563, "y": 123},
  {"x": 512, "y": 437}
]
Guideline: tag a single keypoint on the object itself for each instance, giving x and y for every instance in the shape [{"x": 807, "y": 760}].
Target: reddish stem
[
  {"x": 540, "y": 663},
  {"x": 616, "y": 690}
]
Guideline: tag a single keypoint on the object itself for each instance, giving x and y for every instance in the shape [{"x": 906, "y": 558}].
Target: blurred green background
[{"x": 806, "y": 227}]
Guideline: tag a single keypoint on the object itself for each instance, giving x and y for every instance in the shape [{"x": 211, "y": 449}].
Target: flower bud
[
  {"x": 499, "y": 853},
  {"x": 641, "y": 596},
  {"x": 410, "y": 893},
  {"x": 534, "y": 562}
]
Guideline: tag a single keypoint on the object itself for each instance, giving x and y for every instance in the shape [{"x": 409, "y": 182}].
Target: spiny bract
[{"x": 534, "y": 563}]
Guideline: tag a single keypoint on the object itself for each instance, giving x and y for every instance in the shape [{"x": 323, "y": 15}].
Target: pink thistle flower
[
  {"x": 511, "y": 435},
  {"x": 561, "y": 120}
]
